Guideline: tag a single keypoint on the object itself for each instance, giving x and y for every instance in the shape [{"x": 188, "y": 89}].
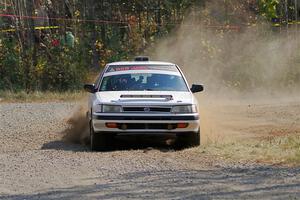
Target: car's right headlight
[
  {"x": 111, "y": 109},
  {"x": 103, "y": 108},
  {"x": 184, "y": 109},
  {"x": 97, "y": 108}
]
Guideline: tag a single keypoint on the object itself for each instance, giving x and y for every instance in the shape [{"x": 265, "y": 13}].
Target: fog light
[
  {"x": 124, "y": 127},
  {"x": 111, "y": 125},
  {"x": 182, "y": 125},
  {"x": 170, "y": 127}
]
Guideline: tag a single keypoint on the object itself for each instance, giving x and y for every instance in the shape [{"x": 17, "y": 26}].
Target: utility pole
[
  {"x": 296, "y": 19},
  {"x": 29, "y": 43},
  {"x": 226, "y": 12},
  {"x": 286, "y": 16}
]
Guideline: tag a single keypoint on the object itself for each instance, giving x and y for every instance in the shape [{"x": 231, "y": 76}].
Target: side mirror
[
  {"x": 89, "y": 88},
  {"x": 197, "y": 88}
]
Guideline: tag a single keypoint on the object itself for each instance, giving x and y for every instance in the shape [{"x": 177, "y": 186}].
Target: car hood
[{"x": 146, "y": 97}]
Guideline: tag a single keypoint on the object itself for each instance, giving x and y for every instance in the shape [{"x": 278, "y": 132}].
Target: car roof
[{"x": 140, "y": 63}]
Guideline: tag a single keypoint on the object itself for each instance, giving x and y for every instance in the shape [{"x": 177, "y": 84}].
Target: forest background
[{"x": 52, "y": 45}]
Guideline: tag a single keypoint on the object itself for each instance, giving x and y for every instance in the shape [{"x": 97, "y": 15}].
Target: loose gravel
[{"x": 35, "y": 163}]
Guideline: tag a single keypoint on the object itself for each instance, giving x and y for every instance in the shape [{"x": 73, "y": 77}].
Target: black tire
[
  {"x": 100, "y": 141},
  {"x": 188, "y": 140}
]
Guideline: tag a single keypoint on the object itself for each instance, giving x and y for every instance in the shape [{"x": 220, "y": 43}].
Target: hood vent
[{"x": 165, "y": 97}]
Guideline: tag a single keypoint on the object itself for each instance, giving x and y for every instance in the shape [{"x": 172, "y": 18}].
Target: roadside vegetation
[
  {"x": 54, "y": 45},
  {"x": 280, "y": 150},
  {"x": 38, "y": 96}
]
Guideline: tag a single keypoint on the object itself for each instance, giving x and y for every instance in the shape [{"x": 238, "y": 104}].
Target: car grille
[
  {"x": 132, "y": 126},
  {"x": 147, "y": 109}
]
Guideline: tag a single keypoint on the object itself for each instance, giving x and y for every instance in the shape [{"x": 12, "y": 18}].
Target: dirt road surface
[{"x": 36, "y": 164}]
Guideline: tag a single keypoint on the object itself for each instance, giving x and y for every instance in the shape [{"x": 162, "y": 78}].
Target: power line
[
  {"x": 232, "y": 27},
  {"x": 63, "y": 19},
  {"x": 228, "y": 27}
]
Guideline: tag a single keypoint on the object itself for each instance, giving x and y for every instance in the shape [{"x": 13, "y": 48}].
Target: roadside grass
[
  {"x": 22, "y": 96},
  {"x": 280, "y": 150}
]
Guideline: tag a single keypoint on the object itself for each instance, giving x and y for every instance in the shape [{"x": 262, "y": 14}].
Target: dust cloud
[
  {"x": 248, "y": 58},
  {"x": 77, "y": 131},
  {"x": 245, "y": 62}
]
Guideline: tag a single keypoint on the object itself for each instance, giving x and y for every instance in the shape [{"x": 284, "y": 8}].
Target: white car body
[{"x": 142, "y": 112}]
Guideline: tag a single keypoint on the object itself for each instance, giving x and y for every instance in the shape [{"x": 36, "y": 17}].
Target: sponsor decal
[{"x": 116, "y": 68}]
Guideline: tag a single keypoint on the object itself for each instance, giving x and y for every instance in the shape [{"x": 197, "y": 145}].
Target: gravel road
[{"x": 35, "y": 163}]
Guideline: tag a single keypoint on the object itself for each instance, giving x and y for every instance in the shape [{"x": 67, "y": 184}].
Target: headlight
[
  {"x": 111, "y": 109},
  {"x": 184, "y": 109},
  {"x": 97, "y": 108}
]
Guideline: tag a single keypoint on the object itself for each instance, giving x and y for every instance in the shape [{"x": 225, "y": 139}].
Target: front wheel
[
  {"x": 100, "y": 141},
  {"x": 187, "y": 140}
]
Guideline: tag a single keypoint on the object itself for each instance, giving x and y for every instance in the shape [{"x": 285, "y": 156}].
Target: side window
[
  {"x": 97, "y": 82},
  {"x": 104, "y": 84}
]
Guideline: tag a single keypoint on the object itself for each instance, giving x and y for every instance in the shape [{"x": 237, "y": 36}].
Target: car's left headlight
[
  {"x": 111, "y": 109},
  {"x": 184, "y": 109}
]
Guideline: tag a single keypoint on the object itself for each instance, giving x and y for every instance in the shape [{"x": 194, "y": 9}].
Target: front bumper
[{"x": 146, "y": 124}]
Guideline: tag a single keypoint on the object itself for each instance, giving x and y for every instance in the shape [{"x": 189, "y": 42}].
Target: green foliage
[
  {"x": 11, "y": 70},
  {"x": 268, "y": 8},
  {"x": 86, "y": 43},
  {"x": 56, "y": 68},
  {"x": 33, "y": 62},
  {"x": 63, "y": 71}
]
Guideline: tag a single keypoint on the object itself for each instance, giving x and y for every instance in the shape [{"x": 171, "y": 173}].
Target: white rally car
[{"x": 142, "y": 97}]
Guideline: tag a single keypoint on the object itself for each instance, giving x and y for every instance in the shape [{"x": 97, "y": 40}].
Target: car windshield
[{"x": 143, "y": 82}]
